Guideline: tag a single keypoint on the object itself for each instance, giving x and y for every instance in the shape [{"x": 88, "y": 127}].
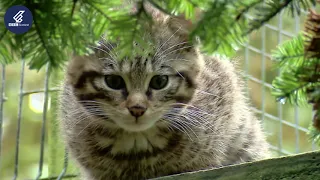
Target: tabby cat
[{"x": 169, "y": 111}]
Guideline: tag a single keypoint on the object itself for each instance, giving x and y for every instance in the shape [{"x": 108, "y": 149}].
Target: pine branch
[
  {"x": 43, "y": 41},
  {"x": 99, "y": 10},
  {"x": 63, "y": 31},
  {"x": 185, "y": 7},
  {"x": 159, "y": 8},
  {"x": 296, "y": 70},
  {"x": 229, "y": 27},
  {"x": 270, "y": 9},
  {"x": 73, "y": 7},
  {"x": 314, "y": 134},
  {"x": 299, "y": 63},
  {"x": 246, "y": 9},
  {"x": 266, "y": 12},
  {"x": 133, "y": 36},
  {"x": 291, "y": 53},
  {"x": 312, "y": 44},
  {"x": 3, "y": 34},
  {"x": 66, "y": 33}
]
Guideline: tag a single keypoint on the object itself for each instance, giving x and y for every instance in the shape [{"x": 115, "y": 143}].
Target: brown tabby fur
[{"x": 200, "y": 120}]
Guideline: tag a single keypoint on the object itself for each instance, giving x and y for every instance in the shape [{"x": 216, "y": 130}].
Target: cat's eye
[
  {"x": 159, "y": 81},
  {"x": 115, "y": 82}
]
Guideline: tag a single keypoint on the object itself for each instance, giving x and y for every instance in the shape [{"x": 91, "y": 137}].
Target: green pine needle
[
  {"x": 314, "y": 135},
  {"x": 219, "y": 30},
  {"x": 269, "y": 9},
  {"x": 290, "y": 53},
  {"x": 58, "y": 29},
  {"x": 295, "y": 72}
]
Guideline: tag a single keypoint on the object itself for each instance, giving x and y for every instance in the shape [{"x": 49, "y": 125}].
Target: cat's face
[{"x": 135, "y": 93}]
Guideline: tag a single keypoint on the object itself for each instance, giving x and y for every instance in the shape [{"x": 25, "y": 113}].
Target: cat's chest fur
[
  {"x": 131, "y": 154},
  {"x": 133, "y": 142}
]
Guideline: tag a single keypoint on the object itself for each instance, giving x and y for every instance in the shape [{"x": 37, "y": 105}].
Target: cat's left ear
[{"x": 182, "y": 26}]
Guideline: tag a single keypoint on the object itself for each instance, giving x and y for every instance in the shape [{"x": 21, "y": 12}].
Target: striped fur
[{"x": 200, "y": 120}]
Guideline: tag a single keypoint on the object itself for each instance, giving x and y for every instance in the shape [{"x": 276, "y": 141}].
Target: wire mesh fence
[{"x": 28, "y": 100}]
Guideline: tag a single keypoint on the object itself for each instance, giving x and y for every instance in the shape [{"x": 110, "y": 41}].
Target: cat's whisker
[
  {"x": 181, "y": 43},
  {"x": 105, "y": 40},
  {"x": 175, "y": 70},
  {"x": 177, "y": 59},
  {"x": 93, "y": 102},
  {"x": 109, "y": 62},
  {"x": 100, "y": 49},
  {"x": 186, "y": 106},
  {"x": 195, "y": 118},
  {"x": 179, "y": 127},
  {"x": 190, "y": 121},
  {"x": 110, "y": 50},
  {"x": 174, "y": 117},
  {"x": 85, "y": 127},
  {"x": 159, "y": 48},
  {"x": 181, "y": 48}
]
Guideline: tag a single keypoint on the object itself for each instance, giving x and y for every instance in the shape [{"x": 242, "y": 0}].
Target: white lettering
[{"x": 13, "y": 24}]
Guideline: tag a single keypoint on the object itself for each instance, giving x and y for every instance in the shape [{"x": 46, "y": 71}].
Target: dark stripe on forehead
[
  {"x": 138, "y": 66},
  {"x": 84, "y": 76},
  {"x": 146, "y": 61},
  {"x": 121, "y": 63}
]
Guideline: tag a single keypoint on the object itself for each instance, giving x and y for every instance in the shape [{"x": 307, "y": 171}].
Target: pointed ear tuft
[
  {"x": 183, "y": 26},
  {"x": 179, "y": 23},
  {"x": 155, "y": 13},
  {"x": 180, "y": 26}
]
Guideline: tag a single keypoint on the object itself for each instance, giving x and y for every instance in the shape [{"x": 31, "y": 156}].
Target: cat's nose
[{"x": 137, "y": 111}]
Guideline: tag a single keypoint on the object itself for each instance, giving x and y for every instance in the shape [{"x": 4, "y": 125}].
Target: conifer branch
[
  {"x": 3, "y": 34},
  {"x": 299, "y": 80},
  {"x": 99, "y": 10},
  {"x": 312, "y": 45},
  {"x": 267, "y": 10},
  {"x": 42, "y": 40},
  {"x": 73, "y": 7},
  {"x": 159, "y": 7},
  {"x": 269, "y": 13}
]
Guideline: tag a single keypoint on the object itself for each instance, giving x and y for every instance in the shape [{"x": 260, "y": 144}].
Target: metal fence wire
[{"x": 27, "y": 105}]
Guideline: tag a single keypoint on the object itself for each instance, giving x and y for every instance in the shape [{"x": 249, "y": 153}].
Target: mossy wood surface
[{"x": 302, "y": 166}]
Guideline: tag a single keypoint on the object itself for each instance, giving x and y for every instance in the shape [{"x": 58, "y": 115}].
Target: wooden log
[{"x": 301, "y": 166}]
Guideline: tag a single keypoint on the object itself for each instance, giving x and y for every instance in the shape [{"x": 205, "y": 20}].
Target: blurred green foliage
[{"x": 63, "y": 27}]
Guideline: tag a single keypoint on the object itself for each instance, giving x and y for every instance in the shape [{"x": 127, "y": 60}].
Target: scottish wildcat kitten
[{"x": 171, "y": 111}]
